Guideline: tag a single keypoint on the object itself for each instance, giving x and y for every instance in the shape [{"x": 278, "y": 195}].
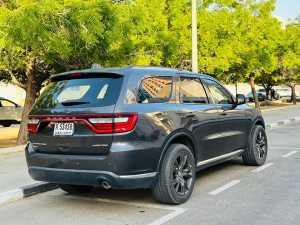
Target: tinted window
[
  {"x": 191, "y": 90},
  {"x": 154, "y": 90},
  {"x": 219, "y": 94},
  {"x": 81, "y": 93}
]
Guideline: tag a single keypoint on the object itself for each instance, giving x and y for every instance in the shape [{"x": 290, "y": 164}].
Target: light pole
[{"x": 194, "y": 37}]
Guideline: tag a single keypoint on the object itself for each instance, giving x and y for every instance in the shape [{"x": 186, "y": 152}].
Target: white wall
[
  {"x": 12, "y": 92},
  {"x": 242, "y": 88}
]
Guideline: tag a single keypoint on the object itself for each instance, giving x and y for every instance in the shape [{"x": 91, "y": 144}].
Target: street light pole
[{"x": 194, "y": 37}]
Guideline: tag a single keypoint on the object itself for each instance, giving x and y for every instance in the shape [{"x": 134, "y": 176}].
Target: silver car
[{"x": 10, "y": 112}]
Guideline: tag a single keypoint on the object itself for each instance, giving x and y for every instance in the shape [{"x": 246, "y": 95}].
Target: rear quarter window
[{"x": 155, "y": 89}]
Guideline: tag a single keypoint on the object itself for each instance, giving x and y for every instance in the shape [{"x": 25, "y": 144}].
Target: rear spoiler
[{"x": 84, "y": 75}]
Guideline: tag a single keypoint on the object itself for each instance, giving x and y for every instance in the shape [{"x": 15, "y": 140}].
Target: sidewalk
[{"x": 13, "y": 172}]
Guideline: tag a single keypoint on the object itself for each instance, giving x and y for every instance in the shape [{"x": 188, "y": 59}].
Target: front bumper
[{"x": 122, "y": 169}]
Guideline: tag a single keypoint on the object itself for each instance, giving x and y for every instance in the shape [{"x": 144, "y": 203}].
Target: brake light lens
[
  {"x": 32, "y": 124},
  {"x": 75, "y": 74},
  {"x": 125, "y": 123},
  {"x": 114, "y": 123}
]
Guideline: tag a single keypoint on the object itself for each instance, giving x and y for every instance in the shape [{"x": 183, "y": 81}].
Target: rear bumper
[
  {"x": 93, "y": 178},
  {"x": 121, "y": 169}
]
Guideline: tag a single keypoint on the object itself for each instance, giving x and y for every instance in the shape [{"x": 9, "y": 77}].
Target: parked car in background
[
  {"x": 262, "y": 91},
  {"x": 139, "y": 127},
  {"x": 10, "y": 112},
  {"x": 260, "y": 97}
]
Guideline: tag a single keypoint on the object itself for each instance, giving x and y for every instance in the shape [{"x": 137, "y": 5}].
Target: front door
[{"x": 233, "y": 120}]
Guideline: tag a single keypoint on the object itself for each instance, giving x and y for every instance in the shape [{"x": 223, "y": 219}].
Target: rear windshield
[{"x": 89, "y": 92}]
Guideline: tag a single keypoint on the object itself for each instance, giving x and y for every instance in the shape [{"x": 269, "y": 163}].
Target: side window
[
  {"x": 219, "y": 94},
  {"x": 154, "y": 90},
  {"x": 191, "y": 90},
  {"x": 6, "y": 103}
]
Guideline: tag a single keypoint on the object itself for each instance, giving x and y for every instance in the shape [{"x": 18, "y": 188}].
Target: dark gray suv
[{"x": 139, "y": 127}]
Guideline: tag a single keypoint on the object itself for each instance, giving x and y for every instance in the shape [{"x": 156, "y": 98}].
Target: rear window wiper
[{"x": 69, "y": 103}]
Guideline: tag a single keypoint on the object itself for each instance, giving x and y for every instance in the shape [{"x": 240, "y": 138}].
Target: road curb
[
  {"x": 24, "y": 192},
  {"x": 283, "y": 122}
]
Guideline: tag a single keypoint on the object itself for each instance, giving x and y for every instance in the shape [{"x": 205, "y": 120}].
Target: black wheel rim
[
  {"x": 182, "y": 174},
  {"x": 261, "y": 145}
]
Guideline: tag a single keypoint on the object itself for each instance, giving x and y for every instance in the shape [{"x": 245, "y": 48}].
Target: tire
[
  {"x": 257, "y": 148},
  {"x": 6, "y": 124},
  {"x": 75, "y": 189},
  {"x": 176, "y": 179}
]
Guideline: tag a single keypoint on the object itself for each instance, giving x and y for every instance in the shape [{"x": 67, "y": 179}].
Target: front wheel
[
  {"x": 75, "y": 189},
  {"x": 257, "y": 149},
  {"x": 175, "y": 182}
]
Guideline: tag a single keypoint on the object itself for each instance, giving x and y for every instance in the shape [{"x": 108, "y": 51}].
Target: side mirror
[{"x": 240, "y": 99}]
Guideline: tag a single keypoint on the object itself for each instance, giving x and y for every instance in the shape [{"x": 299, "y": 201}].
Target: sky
[{"x": 287, "y": 9}]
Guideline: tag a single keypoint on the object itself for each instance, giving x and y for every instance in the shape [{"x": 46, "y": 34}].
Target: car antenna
[{"x": 96, "y": 66}]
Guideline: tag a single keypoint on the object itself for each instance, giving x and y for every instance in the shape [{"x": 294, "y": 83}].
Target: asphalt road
[{"x": 251, "y": 195}]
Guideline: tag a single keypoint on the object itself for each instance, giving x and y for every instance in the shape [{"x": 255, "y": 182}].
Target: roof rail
[{"x": 96, "y": 66}]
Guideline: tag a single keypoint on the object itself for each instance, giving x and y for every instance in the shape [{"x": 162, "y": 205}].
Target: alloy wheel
[
  {"x": 261, "y": 145},
  {"x": 182, "y": 174}
]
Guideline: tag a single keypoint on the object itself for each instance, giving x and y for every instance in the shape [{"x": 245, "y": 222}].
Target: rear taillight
[
  {"x": 32, "y": 124},
  {"x": 114, "y": 123}
]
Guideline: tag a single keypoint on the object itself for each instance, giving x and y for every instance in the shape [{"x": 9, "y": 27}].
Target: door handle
[{"x": 190, "y": 114}]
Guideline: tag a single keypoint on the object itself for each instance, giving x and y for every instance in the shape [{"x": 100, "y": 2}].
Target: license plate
[{"x": 63, "y": 129}]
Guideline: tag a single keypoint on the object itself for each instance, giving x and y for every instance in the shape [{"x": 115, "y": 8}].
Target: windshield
[{"x": 90, "y": 92}]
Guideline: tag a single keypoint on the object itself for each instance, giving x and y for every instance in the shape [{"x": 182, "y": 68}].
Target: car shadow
[{"x": 145, "y": 195}]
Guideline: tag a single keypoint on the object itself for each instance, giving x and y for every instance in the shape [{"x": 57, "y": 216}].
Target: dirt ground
[{"x": 8, "y": 136}]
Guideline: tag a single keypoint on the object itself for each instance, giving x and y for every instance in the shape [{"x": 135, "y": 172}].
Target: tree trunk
[
  {"x": 267, "y": 96},
  {"x": 31, "y": 95},
  {"x": 253, "y": 91},
  {"x": 294, "y": 97}
]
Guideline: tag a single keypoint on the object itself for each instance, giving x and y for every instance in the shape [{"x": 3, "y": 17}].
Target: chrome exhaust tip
[{"x": 106, "y": 185}]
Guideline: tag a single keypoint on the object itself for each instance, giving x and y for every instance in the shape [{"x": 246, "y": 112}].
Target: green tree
[
  {"x": 238, "y": 40},
  {"x": 39, "y": 38},
  {"x": 289, "y": 58}
]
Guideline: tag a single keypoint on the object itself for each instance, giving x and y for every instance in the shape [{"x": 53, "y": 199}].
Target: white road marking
[
  {"x": 285, "y": 148},
  {"x": 10, "y": 196},
  {"x": 168, "y": 217},
  {"x": 262, "y": 167},
  {"x": 224, "y": 187},
  {"x": 176, "y": 210},
  {"x": 289, "y": 154}
]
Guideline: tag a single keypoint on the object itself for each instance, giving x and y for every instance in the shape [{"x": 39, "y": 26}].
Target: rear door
[
  {"x": 74, "y": 115},
  {"x": 233, "y": 120},
  {"x": 200, "y": 116}
]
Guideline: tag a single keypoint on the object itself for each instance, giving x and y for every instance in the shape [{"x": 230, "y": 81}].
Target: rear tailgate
[{"x": 74, "y": 115}]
